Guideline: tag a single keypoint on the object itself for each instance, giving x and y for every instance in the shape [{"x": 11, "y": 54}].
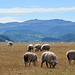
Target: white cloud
[
  {"x": 9, "y": 19},
  {"x": 33, "y": 10},
  {"x": 29, "y": 10}
]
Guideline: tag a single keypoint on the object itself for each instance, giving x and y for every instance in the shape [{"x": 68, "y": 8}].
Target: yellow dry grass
[{"x": 11, "y": 60}]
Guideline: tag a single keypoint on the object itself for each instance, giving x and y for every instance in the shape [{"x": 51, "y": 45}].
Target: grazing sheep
[
  {"x": 49, "y": 57},
  {"x": 45, "y": 47},
  {"x": 10, "y": 43},
  {"x": 70, "y": 55},
  {"x": 37, "y": 47},
  {"x": 29, "y": 47},
  {"x": 30, "y": 57}
]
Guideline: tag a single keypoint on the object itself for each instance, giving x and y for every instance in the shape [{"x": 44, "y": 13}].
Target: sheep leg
[
  {"x": 25, "y": 64},
  {"x": 42, "y": 63},
  {"x": 29, "y": 63},
  {"x": 53, "y": 66},
  {"x": 46, "y": 64},
  {"x": 69, "y": 61},
  {"x": 50, "y": 65},
  {"x": 34, "y": 63}
]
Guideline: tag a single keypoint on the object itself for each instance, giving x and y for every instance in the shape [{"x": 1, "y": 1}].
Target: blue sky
[{"x": 22, "y": 10}]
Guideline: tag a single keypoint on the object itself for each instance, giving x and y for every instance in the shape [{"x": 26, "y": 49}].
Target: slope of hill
[
  {"x": 58, "y": 31},
  {"x": 34, "y": 25},
  {"x": 3, "y": 38},
  {"x": 66, "y": 38},
  {"x": 50, "y": 39},
  {"x": 23, "y": 35},
  {"x": 31, "y": 36},
  {"x": 34, "y": 30}
]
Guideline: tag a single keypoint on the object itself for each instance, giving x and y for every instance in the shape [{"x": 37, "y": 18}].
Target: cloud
[
  {"x": 9, "y": 19},
  {"x": 34, "y": 10}
]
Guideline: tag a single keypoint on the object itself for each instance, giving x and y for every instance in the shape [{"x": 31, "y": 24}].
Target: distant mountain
[
  {"x": 34, "y": 25},
  {"x": 35, "y": 30},
  {"x": 32, "y": 36},
  {"x": 23, "y": 35},
  {"x": 58, "y": 31},
  {"x": 3, "y": 38},
  {"x": 66, "y": 38},
  {"x": 50, "y": 39}
]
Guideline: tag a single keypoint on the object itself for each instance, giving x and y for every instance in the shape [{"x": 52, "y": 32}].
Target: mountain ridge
[
  {"x": 31, "y": 36},
  {"x": 36, "y": 29},
  {"x": 34, "y": 24}
]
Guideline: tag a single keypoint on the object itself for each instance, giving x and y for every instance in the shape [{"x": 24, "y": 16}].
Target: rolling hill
[
  {"x": 31, "y": 36},
  {"x": 3, "y": 38},
  {"x": 35, "y": 30},
  {"x": 66, "y": 38},
  {"x": 50, "y": 39},
  {"x": 35, "y": 25},
  {"x": 23, "y": 35},
  {"x": 58, "y": 31}
]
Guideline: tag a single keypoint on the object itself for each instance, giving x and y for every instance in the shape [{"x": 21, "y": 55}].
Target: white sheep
[
  {"x": 70, "y": 55},
  {"x": 45, "y": 47},
  {"x": 37, "y": 47},
  {"x": 30, "y": 57},
  {"x": 49, "y": 57},
  {"x": 9, "y": 43},
  {"x": 29, "y": 47}
]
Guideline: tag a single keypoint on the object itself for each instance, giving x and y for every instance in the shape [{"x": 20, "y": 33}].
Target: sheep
[
  {"x": 9, "y": 43},
  {"x": 45, "y": 47},
  {"x": 30, "y": 57},
  {"x": 37, "y": 47},
  {"x": 29, "y": 47},
  {"x": 70, "y": 55},
  {"x": 49, "y": 57}
]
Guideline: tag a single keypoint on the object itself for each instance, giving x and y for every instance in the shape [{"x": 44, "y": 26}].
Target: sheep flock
[{"x": 47, "y": 56}]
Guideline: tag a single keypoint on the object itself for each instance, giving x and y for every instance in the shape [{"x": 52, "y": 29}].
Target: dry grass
[{"x": 11, "y": 60}]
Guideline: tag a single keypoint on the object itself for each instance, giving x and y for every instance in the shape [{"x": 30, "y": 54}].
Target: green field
[{"x": 11, "y": 60}]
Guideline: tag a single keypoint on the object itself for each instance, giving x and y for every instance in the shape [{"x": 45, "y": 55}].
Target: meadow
[{"x": 12, "y": 63}]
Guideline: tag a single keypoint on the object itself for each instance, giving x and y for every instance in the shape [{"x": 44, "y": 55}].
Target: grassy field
[{"x": 11, "y": 60}]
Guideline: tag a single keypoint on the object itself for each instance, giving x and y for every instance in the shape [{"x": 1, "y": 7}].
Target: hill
[
  {"x": 31, "y": 36},
  {"x": 23, "y": 35},
  {"x": 66, "y": 38},
  {"x": 3, "y": 38},
  {"x": 58, "y": 31},
  {"x": 35, "y": 30},
  {"x": 34, "y": 25},
  {"x": 50, "y": 39}
]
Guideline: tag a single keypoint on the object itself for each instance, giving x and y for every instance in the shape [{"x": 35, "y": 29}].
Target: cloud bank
[
  {"x": 35, "y": 10},
  {"x": 29, "y": 10},
  {"x": 9, "y": 19}
]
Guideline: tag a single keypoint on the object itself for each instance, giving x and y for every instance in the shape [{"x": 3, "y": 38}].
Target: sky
[{"x": 23, "y": 10}]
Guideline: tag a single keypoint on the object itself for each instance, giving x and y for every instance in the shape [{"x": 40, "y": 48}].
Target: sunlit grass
[{"x": 11, "y": 60}]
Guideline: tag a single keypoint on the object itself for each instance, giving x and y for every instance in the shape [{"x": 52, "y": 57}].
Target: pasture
[{"x": 12, "y": 63}]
